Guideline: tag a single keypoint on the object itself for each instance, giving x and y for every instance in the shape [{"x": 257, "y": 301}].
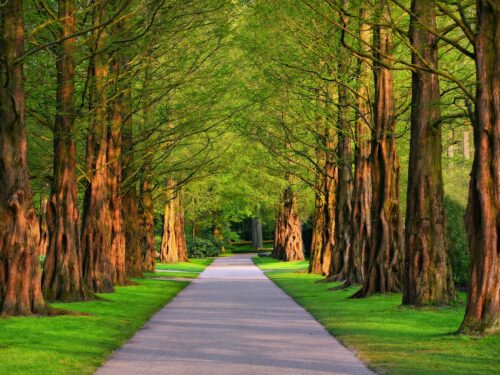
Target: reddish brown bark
[
  {"x": 168, "y": 252},
  {"x": 180, "y": 235},
  {"x": 62, "y": 277},
  {"x": 44, "y": 228},
  {"x": 483, "y": 211},
  {"x": 114, "y": 150},
  {"x": 130, "y": 210},
  {"x": 427, "y": 277},
  {"x": 323, "y": 238},
  {"x": 330, "y": 185},
  {"x": 97, "y": 259},
  {"x": 362, "y": 185},
  {"x": 148, "y": 249},
  {"x": 339, "y": 267},
  {"x": 20, "y": 284},
  {"x": 318, "y": 228},
  {"x": 385, "y": 251},
  {"x": 288, "y": 231}
]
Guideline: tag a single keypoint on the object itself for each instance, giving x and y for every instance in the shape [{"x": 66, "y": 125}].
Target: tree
[
  {"x": 98, "y": 261},
  {"x": 257, "y": 233},
  {"x": 169, "y": 252},
  {"x": 20, "y": 274},
  {"x": 483, "y": 210},
  {"x": 361, "y": 221},
  {"x": 62, "y": 277},
  {"x": 384, "y": 253},
  {"x": 288, "y": 232},
  {"x": 427, "y": 276}
]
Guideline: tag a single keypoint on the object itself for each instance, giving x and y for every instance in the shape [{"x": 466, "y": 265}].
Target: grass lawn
[
  {"x": 391, "y": 338},
  {"x": 194, "y": 265},
  {"x": 80, "y": 344},
  {"x": 187, "y": 275}
]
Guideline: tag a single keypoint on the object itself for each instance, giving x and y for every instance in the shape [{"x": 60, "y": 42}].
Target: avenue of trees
[
  {"x": 343, "y": 91},
  {"x": 119, "y": 117}
]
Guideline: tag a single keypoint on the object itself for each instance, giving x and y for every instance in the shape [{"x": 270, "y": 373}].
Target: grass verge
[
  {"x": 80, "y": 344},
  {"x": 391, "y": 338}
]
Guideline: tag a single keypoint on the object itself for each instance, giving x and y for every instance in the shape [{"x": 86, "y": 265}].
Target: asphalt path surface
[{"x": 233, "y": 320}]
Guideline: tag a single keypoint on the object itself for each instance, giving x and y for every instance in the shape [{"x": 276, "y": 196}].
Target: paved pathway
[{"x": 233, "y": 320}]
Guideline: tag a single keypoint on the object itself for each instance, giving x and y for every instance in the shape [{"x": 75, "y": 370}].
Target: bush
[{"x": 201, "y": 248}]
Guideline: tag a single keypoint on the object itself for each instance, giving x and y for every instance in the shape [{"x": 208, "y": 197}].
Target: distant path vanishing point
[{"x": 233, "y": 320}]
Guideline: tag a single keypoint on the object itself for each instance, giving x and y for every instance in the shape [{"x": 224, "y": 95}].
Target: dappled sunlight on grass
[{"x": 392, "y": 338}]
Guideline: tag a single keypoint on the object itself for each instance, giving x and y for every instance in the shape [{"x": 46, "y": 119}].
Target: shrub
[{"x": 200, "y": 247}]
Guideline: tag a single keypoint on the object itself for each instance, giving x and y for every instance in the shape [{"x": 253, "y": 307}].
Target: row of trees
[
  {"x": 337, "y": 97},
  {"x": 114, "y": 76}
]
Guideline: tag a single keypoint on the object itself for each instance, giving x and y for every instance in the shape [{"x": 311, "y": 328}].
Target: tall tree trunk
[
  {"x": 130, "y": 210},
  {"x": 288, "y": 234},
  {"x": 330, "y": 181},
  {"x": 146, "y": 192},
  {"x": 118, "y": 116},
  {"x": 62, "y": 276},
  {"x": 98, "y": 263},
  {"x": 169, "y": 252},
  {"x": 257, "y": 233},
  {"x": 20, "y": 284},
  {"x": 339, "y": 267},
  {"x": 483, "y": 210},
  {"x": 147, "y": 210},
  {"x": 385, "y": 251},
  {"x": 427, "y": 277},
  {"x": 362, "y": 197},
  {"x": 180, "y": 235},
  {"x": 319, "y": 219},
  {"x": 318, "y": 228},
  {"x": 279, "y": 234}
]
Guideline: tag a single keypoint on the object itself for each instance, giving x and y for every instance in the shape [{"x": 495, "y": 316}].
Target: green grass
[
  {"x": 194, "y": 265},
  {"x": 80, "y": 344},
  {"x": 187, "y": 275},
  {"x": 391, "y": 338}
]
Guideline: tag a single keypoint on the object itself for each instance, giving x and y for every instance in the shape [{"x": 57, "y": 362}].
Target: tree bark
[
  {"x": 318, "y": 228},
  {"x": 324, "y": 227},
  {"x": 98, "y": 263},
  {"x": 147, "y": 210},
  {"x": 483, "y": 210},
  {"x": 169, "y": 252},
  {"x": 288, "y": 233},
  {"x": 427, "y": 277},
  {"x": 339, "y": 267},
  {"x": 20, "y": 274},
  {"x": 62, "y": 276},
  {"x": 130, "y": 210},
  {"x": 180, "y": 235},
  {"x": 362, "y": 197},
  {"x": 117, "y": 117},
  {"x": 44, "y": 228},
  {"x": 257, "y": 233},
  {"x": 385, "y": 251},
  {"x": 146, "y": 184}
]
